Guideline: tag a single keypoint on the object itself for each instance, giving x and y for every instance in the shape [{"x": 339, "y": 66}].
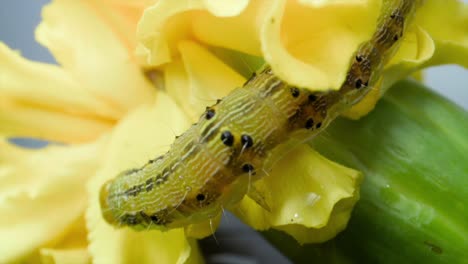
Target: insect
[{"x": 210, "y": 166}]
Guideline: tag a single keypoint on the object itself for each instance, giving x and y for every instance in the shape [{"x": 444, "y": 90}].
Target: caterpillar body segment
[
  {"x": 210, "y": 166},
  {"x": 367, "y": 65}
]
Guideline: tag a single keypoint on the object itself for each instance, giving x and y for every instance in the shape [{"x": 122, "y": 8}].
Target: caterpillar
[{"x": 210, "y": 166}]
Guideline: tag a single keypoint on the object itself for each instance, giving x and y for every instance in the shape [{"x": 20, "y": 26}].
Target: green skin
[{"x": 210, "y": 166}]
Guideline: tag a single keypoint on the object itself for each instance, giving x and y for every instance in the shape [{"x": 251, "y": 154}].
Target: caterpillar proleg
[{"x": 210, "y": 165}]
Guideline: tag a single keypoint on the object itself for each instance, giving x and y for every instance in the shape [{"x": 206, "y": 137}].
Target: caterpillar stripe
[{"x": 210, "y": 165}]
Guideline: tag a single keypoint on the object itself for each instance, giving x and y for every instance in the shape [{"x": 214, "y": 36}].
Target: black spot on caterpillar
[{"x": 210, "y": 165}]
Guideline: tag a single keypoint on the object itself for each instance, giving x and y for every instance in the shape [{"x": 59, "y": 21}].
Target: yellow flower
[
  {"x": 98, "y": 83},
  {"x": 100, "y": 102}
]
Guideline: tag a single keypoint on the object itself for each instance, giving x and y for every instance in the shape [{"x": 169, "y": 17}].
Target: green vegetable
[{"x": 413, "y": 151}]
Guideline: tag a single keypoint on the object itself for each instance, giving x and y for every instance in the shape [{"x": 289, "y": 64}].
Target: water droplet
[{"x": 296, "y": 215}]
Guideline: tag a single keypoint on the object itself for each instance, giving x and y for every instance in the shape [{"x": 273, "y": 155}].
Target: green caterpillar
[{"x": 209, "y": 167}]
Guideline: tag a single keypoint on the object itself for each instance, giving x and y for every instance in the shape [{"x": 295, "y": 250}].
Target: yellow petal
[
  {"x": 177, "y": 86},
  {"x": 43, "y": 193},
  {"x": 198, "y": 79},
  {"x": 226, "y": 8},
  {"x": 209, "y": 78},
  {"x": 71, "y": 249},
  {"x": 126, "y": 246},
  {"x": 142, "y": 135},
  {"x": 449, "y": 53},
  {"x": 65, "y": 256},
  {"x": 416, "y": 49},
  {"x": 47, "y": 86},
  {"x": 24, "y": 120},
  {"x": 311, "y": 46},
  {"x": 319, "y": 3},
  {"x": 310, "y": 197},
  {"x": 238, "y": 32},
  {"x": 87, "y": 47},
  {"x": 154, "y": 40},
  {"x": 167, "y": 22},
  {"x": 122, "y": 17},
  {"x": 195, "y": 253},
  {"x": 446, "y": 21},
  {"x": 204, "y": 228}
]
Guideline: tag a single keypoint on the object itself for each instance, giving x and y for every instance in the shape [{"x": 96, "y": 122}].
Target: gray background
[{"x": 236, "y": 243}]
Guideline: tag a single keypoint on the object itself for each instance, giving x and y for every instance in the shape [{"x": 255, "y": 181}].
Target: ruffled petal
[
  {"x": 88, "y": 47},
  {"x": 309, "y": 197},
  {"x": 313, "y": 56},
  {"x": 167, "y": 22},
  {"x": 142, "y": 135},
  {"x": 416, "y": 49},
  {"x": 26, "y": 120},
  {"x": 156, "y": 43},
  {"x": 240, "y": 32},
  {"x": 208, "y": 79},
  {"x": 42, "y": 194},
  {"x": 204, "y": 75},
  {"x": 309, "y": 45},
  {"x": 47, "y": 86},
  {"x": 446, "y": 21}
]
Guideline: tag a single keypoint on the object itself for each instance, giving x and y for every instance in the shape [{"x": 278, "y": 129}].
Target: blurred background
[{"x": 236, "y": 243}]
